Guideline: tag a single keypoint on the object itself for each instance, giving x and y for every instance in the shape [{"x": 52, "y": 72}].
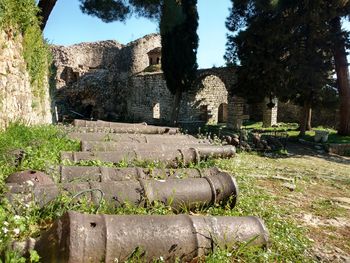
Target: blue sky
[{"x": 67, "y": 26}]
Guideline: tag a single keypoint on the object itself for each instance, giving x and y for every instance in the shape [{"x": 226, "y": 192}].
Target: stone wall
[
  {"x": 288, "y": 112},
  {"x": 106, "y": 80},
  {"x": 135, "y": 54},
  {"x": 149, "y": 100},
  {"x": 75, "y": 61},
  {"x": 236, "y": 112},
  {"x": 203, "y": 102},
  {"x": 92, "y": 79},
  {"x": 17, "y": 102},
  {"x": 340, "y": 149},
  {"x": 269, "y": 114}
]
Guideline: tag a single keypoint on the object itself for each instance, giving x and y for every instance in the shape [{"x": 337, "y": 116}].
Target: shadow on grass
[{"x": 299, "y": 150}]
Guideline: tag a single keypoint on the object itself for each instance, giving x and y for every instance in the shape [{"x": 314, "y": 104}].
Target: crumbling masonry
[{"x": 110, "y": 81}]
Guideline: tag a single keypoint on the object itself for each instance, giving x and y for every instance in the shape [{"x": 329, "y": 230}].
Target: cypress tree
[{"x": 178, "y": 27}]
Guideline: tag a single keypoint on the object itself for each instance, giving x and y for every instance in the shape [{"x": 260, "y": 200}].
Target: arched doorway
[
  {"x": 210, "y": 93},
  {"x": 222, "y": 113}
]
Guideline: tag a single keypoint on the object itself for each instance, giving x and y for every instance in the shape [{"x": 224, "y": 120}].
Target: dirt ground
[{"x": 315, "y": 187}]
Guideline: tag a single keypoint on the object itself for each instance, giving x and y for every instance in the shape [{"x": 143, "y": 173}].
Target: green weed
[
  {"x": 42, "y": 144},
  {"x": 327, "y": 208}
]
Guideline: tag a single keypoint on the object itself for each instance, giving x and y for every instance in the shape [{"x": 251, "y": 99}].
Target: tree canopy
[
  {"x": 120, "y": 10},
  {"x": 285, "y": 49}
]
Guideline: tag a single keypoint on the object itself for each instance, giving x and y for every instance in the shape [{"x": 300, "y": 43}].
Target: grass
[
  {"x": 292, "y": 131},
  {"x": 327, "y": 208},
  {"x": 262, "y": 197}
]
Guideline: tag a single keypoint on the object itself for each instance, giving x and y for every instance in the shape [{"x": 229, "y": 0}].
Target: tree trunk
[
  {"x": 309, "y": 116},
  {"x": 176, "y": 107},
  {"x": 341, "y": 68},
  {"x": 46, "y": 7},
  {"x": 305, "y": 118}
]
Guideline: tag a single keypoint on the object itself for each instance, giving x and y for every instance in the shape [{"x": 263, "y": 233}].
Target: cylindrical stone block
[
  {"x": 118, "y": 127},
  {"x": 104, "y": 174},
  {"x": 177, "y": 193},
  {"x": 174, "y": 157}
]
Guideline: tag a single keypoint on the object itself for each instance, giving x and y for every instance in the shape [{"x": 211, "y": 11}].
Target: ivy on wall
[{"x": 20, "y": 17}]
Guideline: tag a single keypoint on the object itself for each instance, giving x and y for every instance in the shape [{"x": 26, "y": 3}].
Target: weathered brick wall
[
  {"x": 236, "y": 112},
  {"x": 73, "y": 62},
  {"x": 209, "y": 93},
  {"x": 17, "y": 102},
  {"x": 93, "y": 78},
  {"x": 145, "y": 91},
  {"x": 340, "y": 149},
  {"x": 149, "y": 97},
  {"x": 133, "y": 57},
  {"x": 105, "y": 80},
  {"x": 288, "y": 112}
]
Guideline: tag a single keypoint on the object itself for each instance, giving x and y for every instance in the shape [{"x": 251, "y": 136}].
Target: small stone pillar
[
  {"x": 269, "y": 114},
  {"x": 235, "y": 112}
]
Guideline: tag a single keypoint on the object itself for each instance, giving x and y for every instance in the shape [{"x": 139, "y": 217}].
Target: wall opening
[
  {"x": 223, "y": 112},
  {"x": 156, "y": 111},
  {"x": 69, "y": 75},
  {"x": 204, "y": 113}
]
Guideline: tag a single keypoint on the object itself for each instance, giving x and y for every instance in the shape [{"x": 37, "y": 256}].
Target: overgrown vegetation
[
  {"x": 301, "y": 43},
  {"x": 41, "y": 146},
  {"x": 153, "y": 68},
  {"x": 20, "y": 18}
]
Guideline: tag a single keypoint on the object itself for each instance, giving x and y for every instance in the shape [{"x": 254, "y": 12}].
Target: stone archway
[
  {"x": 223, "y": 113},
  {"x": 235, "y": 105},
  {"x": 210, "y": 93}
]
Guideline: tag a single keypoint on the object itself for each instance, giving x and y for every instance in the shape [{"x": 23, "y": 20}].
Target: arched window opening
[{"x": 156, "y": 111}]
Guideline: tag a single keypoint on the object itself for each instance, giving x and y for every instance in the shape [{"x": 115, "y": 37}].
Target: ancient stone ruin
[
  {"x": 18, "y": 100},
  {"x": 110, "y": 81}
]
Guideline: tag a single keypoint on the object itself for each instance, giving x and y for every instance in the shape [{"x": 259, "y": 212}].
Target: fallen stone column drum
[
  {"x": 127, "y": 127},
  {"x": 81, "y": 238},
  {"x": 105, "y": 174},
  {"x": 173, "y": 157},
  {"x": 163, "y": 145},
  {"x": 178, "y": 193}
]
